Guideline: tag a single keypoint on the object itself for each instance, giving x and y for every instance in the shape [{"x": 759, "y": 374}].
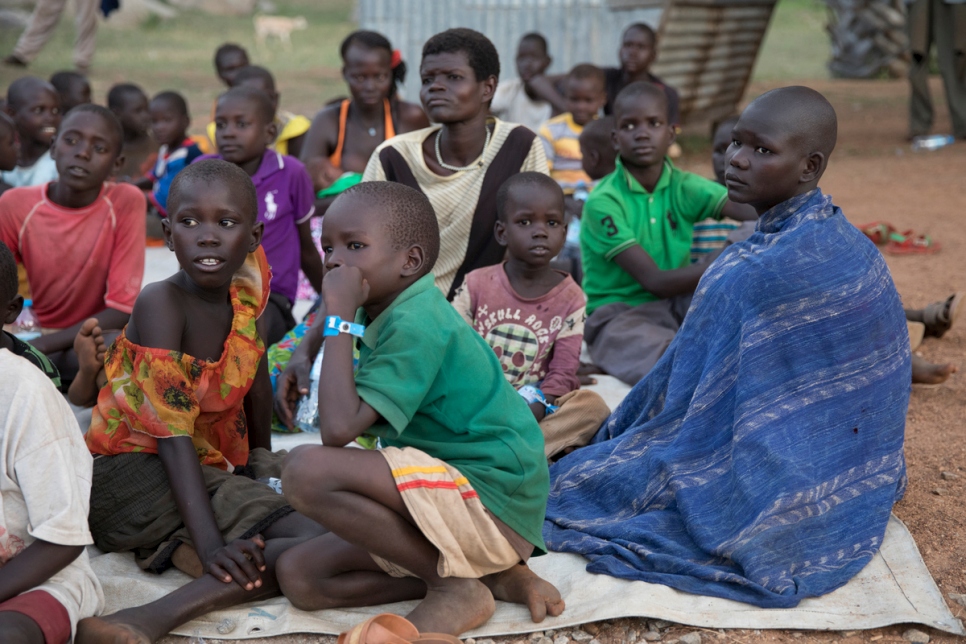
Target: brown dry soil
[{"x": 874, "y": 176}]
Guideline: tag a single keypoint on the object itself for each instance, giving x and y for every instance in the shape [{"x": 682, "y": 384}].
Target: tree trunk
[{"x": 868, "y": 37}]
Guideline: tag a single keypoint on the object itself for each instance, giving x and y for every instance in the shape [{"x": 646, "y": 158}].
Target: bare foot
[
  {"x": 104, "y": 630},
  {"x": 90, "y": 349},
  {"x": 927, "y": 373},
  {"x": 520, "y": 585},
  {"x": 453, "y": 607}
]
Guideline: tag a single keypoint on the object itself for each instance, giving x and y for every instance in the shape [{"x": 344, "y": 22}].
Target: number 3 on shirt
[{"x": 609, "y": 226}]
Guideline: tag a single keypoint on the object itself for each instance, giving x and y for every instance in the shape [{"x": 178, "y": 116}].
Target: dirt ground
[{"x": 874, "y": 175}]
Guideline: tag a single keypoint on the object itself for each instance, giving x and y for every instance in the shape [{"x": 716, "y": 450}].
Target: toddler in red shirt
[{"x": 533, "y": 315}]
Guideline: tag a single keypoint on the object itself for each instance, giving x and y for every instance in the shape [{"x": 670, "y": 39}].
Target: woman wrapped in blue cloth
[{"x": 760, "y": 459}]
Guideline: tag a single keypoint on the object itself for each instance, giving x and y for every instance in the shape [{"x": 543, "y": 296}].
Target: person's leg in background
[
  {"x": 39, "y": 29},
  {"x": 949, "y": 32},
  {"x": 85, "y": 24},
  {"x": 920, "y": 42}
]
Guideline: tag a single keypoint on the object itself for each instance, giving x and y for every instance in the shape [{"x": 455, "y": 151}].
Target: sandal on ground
[
  {"x": 940, "y": 316},
  {"x": 384, "y": 628},
  {"x": 909, "y": 243},
  {"x": 436, "y": 638},
  {"x": 387, "y": 628},
  {"x": 879, "y": 232}
]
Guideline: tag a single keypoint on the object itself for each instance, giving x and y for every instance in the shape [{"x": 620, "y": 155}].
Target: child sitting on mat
[
  {"x": 186, "y": 404},
  {"x": 532, "y": 315},
  {"x": 453, "y": 503},
  {"x": 46, "y": 581}
]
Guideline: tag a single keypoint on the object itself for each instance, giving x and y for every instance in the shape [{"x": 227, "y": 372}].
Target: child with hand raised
[{"x": 453, "y": 502}]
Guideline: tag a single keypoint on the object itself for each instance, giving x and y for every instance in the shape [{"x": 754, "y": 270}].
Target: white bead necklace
[{"x": 453, "y": 168}]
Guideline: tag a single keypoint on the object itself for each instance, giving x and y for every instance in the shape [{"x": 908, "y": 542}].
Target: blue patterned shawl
[{"x": 760, "y": 459}]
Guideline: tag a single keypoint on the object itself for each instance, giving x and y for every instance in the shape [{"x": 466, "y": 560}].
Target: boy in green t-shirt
[
  {"x": 635, "y": 239},
  {"x": 454, "y": 501}
]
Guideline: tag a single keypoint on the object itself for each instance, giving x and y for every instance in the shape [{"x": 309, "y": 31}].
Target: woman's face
[
  {"x": 368, "y": 73},
  {"x": 449, "y": 89}
]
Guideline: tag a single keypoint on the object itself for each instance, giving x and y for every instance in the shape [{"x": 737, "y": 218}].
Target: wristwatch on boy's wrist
[{"x": 334, "y": 325}]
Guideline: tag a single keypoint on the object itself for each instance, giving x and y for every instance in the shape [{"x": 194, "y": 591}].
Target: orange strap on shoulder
[
  {"x": 387, "y": 111},
  {"x": 336, "y": 157}
]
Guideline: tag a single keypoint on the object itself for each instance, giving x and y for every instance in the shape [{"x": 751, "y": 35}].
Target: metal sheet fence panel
[
  {"x": 578, "y": 31},
  {"x": 707, "y": 47}
]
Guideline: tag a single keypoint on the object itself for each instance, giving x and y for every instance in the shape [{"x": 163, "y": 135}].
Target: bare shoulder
[
  {"x": 158, "y": 319},
  {"x": 327, "y": 117},
  {"x": 322, "y": 135},
  {"x": 411, "y": 117}
]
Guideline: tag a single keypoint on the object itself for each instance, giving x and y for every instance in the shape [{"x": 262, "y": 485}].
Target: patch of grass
[
  {"x": 177, "y": 54},
  {"x": 796, "y": 45}
]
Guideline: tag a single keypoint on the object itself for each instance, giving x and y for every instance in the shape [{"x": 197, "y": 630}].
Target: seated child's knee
[
  {"x": 303, "y": 478},
  {"x": 17, "y": 628},
  {"x": 301, "y": 587}
]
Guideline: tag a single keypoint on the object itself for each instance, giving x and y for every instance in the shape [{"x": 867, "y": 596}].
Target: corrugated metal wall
[
  {"x": 578, "y": 31},
  {"x": 707, "y": 48}
]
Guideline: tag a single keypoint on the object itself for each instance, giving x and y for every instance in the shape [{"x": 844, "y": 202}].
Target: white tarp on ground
[{"x": 894, "y": 588}]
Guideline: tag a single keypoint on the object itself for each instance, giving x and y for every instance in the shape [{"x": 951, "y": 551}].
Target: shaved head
[
  {"x": 779, "y": 147},
  {"x": 800, "y": 113},
  {"x": 23, "y": 90}
]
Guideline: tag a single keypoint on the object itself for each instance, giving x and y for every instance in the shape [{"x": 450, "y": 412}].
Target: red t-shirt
[{"x": 79, "y": 261}]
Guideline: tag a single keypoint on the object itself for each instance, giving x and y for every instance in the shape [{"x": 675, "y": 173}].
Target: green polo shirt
[
  {"x": 621, "y": 213},
  {"x": 439, "y": 388}
]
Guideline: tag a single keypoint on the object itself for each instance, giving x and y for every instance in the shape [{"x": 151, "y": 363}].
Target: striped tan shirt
[{"x": 454, "y": 198}]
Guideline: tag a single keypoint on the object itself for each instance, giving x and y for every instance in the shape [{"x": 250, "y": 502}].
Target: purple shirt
[{"x": 285, "y": 199}]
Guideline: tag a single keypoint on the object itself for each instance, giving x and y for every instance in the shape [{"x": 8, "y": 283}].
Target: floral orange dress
[{"x": 156, "y": 393}]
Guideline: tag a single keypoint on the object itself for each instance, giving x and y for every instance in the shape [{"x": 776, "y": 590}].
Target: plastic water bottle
[
  {"x": 932, "y": 142},
  {"x": 26, "y": 326},
  {"x": 307, "y": 412}
]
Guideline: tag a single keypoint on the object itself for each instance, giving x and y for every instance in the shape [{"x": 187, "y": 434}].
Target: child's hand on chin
[{"x": 344, "y": 289}]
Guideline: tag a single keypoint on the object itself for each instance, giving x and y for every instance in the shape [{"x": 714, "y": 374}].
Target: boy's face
[
  {"x": 86, "y": 151},
  {"x": 719, "y": 146},
  {"x": 535, "y": 228},
  {"x": 78, "y": 93},
  {"x": 450, "y": 91},
  {"x": 368, "y": 73},
  {"x": 228, "y": 65},
  {"x": 211, "y": 232},
  {"x": 38, "y": 115},
  {"x": 764, "y": 165},
  {"x": 637, "y": 51},
  {"x": 168, "y": 125},
  {"x": 241, "y": 133},
  {"x": 353, "y": 234},
  {"x": 585, "y": 98},
  {"x": 134, "y": 115},
  {"x": 532, "y": 60},
  {"x": 642, "y": 133},
  {"x": 9, "y": 147}
]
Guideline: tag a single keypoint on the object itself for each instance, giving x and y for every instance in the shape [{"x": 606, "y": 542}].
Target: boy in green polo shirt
[
  {"x": 454, "y": 501},
  {"x": 635, "y": 239}
]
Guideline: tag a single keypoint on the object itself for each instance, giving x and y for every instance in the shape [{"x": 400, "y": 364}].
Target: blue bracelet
[{"x": 334, "y": 325}]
